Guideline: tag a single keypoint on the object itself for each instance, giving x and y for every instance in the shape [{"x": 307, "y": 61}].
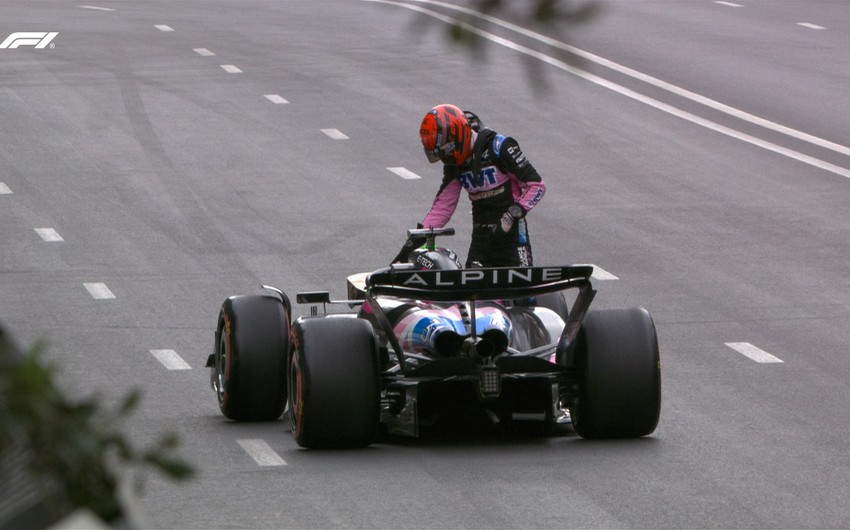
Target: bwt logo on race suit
[
  {"x": 486, "y": 179},
  {"x": 38, "y": 39}
]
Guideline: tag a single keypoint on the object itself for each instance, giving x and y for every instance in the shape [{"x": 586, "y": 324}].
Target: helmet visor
[{"x": 445, "y": 153}]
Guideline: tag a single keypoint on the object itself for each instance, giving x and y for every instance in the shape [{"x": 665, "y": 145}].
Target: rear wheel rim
[{"x": 221, "y": 367}]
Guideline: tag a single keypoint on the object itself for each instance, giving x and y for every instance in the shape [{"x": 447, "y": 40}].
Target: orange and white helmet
[{"x": 446, "y": 135}]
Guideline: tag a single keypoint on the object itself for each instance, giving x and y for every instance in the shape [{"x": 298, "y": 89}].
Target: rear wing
[{"x": 490, "y": 283}]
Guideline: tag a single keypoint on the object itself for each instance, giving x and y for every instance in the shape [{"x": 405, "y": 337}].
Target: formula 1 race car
[{"x": 426, "y": 342}]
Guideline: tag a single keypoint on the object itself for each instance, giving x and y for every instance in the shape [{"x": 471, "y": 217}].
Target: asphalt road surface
[{"x": 157, "y": 157}]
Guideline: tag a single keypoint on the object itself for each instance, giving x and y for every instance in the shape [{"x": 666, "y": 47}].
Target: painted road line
[
  {"x": 404, "y": 173},
  {"x": 601, "y": 274},
  {"x": 203, "y": 51},
  {"x": 48, "y": 234},
  {"x": 756, "y": 354},
  {"x": 557, "y": 63},
  {"x": 170, "y": 359},
  {"x": 598, "y": 272},
  {"x": 261, "y": 452},
  {"x": 230, "y": 69},
  {"x": 810, "y": 25},
  {"x": 277, "y": 100},
  {"x": 99, "y": 291},
  {"x": 728, "y": 4},
  {"x": 335, "y": 134},
  {"x": 4, "y": 189},
  {"x": 163, "y": 27},
  {"x": 96, "y": 8}
]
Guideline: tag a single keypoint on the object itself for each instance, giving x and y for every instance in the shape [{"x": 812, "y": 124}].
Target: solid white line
[
  {"x": 97, "y": 8},
  {"x": 335, "y": 134},
  {"x": 170, "y": 359},
  {"x": 404, "y": 173},
  {"x": 756, "y": 354},
  {"x": 642, "y": 77},
  {"x": 163, "y": 27},
  {"x": 4, "y": 189},
  {"x": 203, "y": 51},
  {"x": 728, "y": 4},
  {"x": 277, "y": 100},
  {"x": 230, "y": 69},
  {"x": 99, "y": 291},
  {"x": 49, "y": 234},
  {"x": 810, "y": 25},
  {"x": 261, "y": 452}
]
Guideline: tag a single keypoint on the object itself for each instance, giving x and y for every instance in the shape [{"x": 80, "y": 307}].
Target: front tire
[
  {"x": 619, "y": 375},
  {"x": 249, "y": 365},
  {"x": 334, "y": 383}
]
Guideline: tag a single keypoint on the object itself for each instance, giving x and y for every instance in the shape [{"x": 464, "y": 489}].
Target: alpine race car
[{"x": 428, "y": 341}]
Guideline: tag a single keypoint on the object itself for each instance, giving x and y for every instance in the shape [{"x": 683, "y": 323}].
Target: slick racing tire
[
  {"x": 333, "y": 383},
  {"x": 249, "y": 368},
  {"x": 619, "y": 375}
]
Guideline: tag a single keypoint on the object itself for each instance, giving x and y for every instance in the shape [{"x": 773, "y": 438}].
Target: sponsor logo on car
[{"x": 475, "y": 277}]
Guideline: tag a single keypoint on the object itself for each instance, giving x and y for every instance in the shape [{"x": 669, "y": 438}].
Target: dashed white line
[
  {"x": 4, "y": 189},
  {"x": 171, "y": 360},
  {"x": 277, "y": 100},
  {"x": 601, "y": 274},
  {"x": 48, "y": 234},
  {"x": 756, "y": 354},
  {"x": 728, "y": 4},
  {"x": 404, "y": 173},
  {"x": 96, "y": 8},
  {"x": 163, "y": 27},
  {"x": 99, "y": 291},
  {"x": 261, "y": 452},
  {"x": 230, "y": 69},
  {"x": 335, "y": 134},
  {"x": 810, "y": 25},
  {"x": 203, "y": 51}
]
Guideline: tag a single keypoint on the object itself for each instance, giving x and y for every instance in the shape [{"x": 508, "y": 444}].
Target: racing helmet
[
  {"x": 446, "y": 135},
  {"x": 435, "y": 259}
]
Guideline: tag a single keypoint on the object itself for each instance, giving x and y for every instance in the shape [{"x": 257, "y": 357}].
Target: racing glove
[{"x": 510, "y": 216}]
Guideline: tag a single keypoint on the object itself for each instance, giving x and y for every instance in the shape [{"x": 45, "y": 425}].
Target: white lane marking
[
  {"x": 810, "y": 25},
  {"x": 99, "y": 291},
  {"x": 230, "y": 69},
  {"x": 728, "y": 4},
  {"x": 277, "y": 100},
  {"x": 404, "y": 173},
  {"x": 163, "y": 27},
  {"x": 335, "y": 134},
  {"x": 261, "y": 452},
  {"x": 48, "y": 234},
  {"x": 171, "y": 360},
  {"x": 4, "y": 189},
  {"x": 96, "y": 8},
  {"x": 601, "y": 274},
  {"x": 598, "y": 272},
  {"x": 203, "y": 51},
  {"x": 820, "y": 142},
  {"x": 756, "y": 354}
]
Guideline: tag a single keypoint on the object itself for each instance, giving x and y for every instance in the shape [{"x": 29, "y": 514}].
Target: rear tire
[
  {"x": 619, "y": 375},
  {"x": 249, "y": 368},
  {"x": 334, "y": 383}
]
